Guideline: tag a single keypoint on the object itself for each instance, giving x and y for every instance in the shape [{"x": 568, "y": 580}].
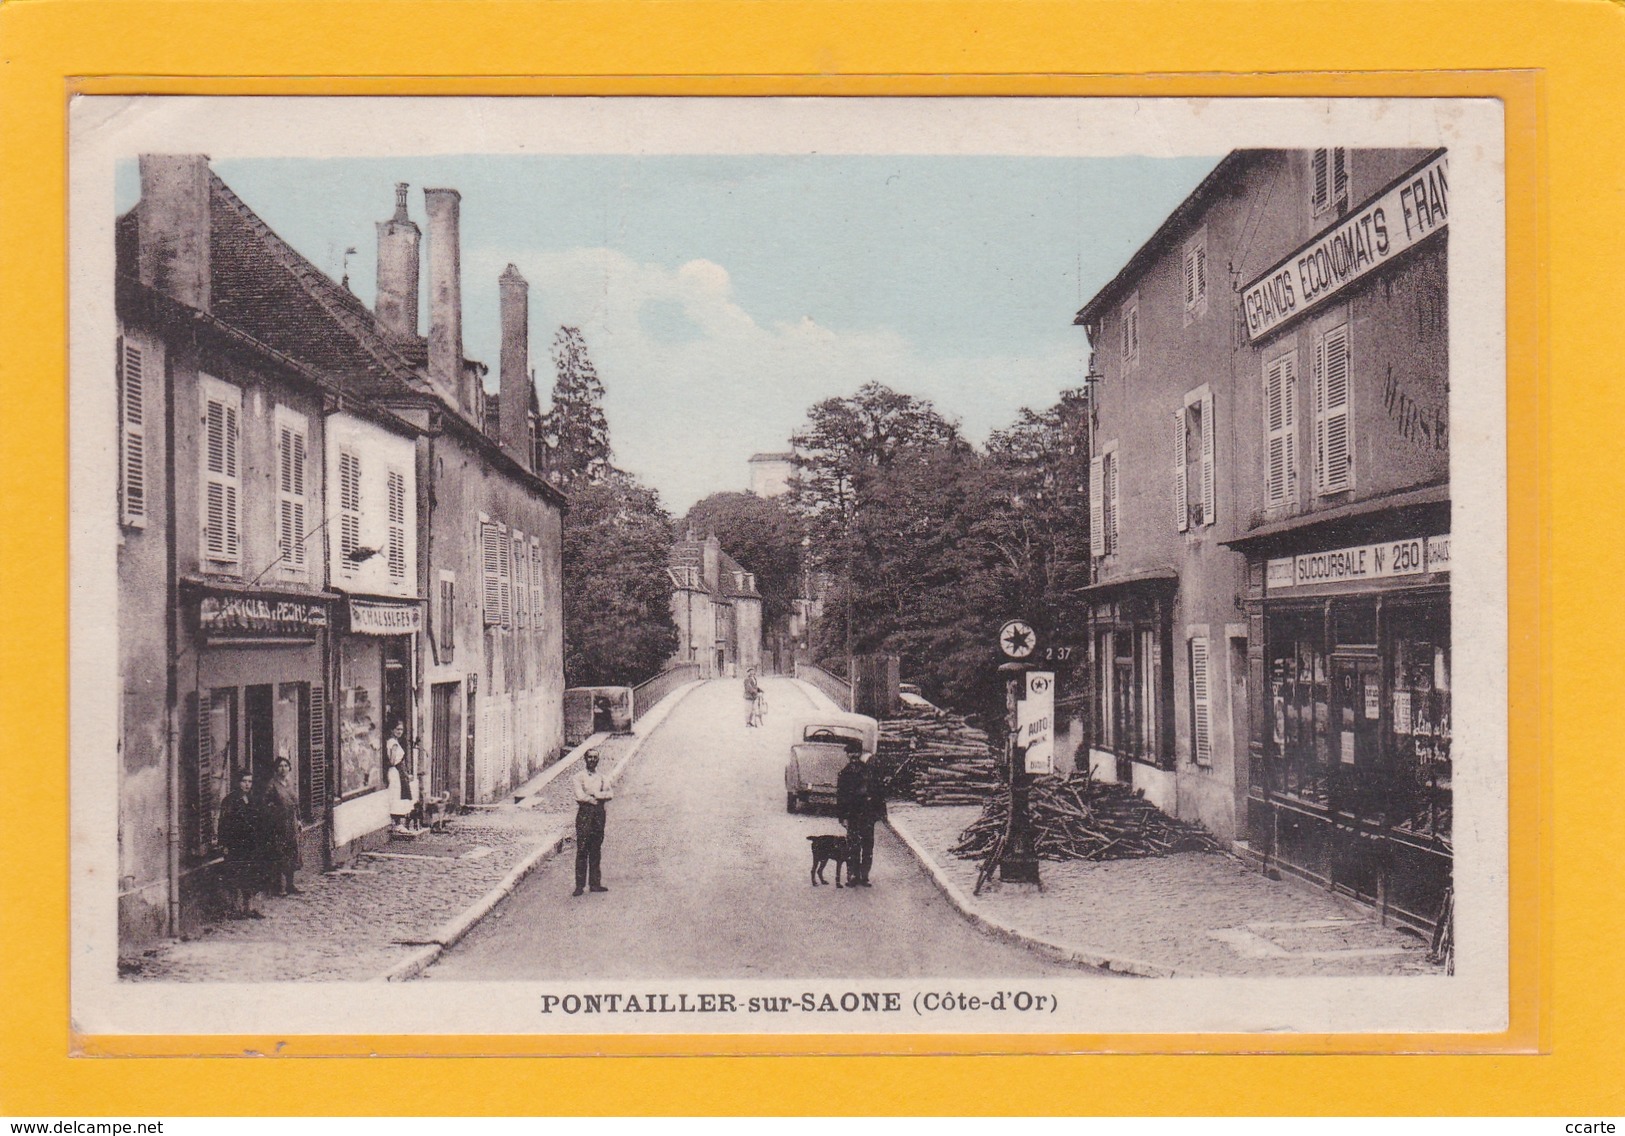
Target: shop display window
[
  {"x": 361, "y": 742},
  {"x": 1127, "y": 681},
  {"x": 1419, "y": 722},
  {"x": 1300, "y": 710}
]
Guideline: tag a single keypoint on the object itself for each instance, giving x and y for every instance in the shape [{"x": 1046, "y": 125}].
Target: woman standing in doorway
[
  {"x": 402, "y": 793},
  {"x": 280, "y": 808}
]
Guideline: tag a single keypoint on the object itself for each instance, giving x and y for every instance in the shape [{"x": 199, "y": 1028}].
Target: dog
[{"x": 824, "y": 850}]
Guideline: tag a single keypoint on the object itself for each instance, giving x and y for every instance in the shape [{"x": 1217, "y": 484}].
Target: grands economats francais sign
[{"x": 1412, "y": 209}]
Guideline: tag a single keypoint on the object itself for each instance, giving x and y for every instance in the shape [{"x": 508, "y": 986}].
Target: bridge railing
[
  {"x": 837, "y": 689},
  {"x": 647, "y": 694}
]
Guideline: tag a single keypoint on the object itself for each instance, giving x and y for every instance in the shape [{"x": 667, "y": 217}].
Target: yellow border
[{"x": 1566, "y": 981}]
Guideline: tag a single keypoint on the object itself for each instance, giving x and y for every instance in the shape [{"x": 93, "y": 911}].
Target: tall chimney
[
  {"x": 512, "y": 393},
  {"x": 446, "y": 297},
  {"x": 173, "y": 226},
  {"x": 398, "y": 240}
]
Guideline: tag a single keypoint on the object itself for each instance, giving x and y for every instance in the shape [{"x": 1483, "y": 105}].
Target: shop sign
[
  {"x": 1402, "y": 216},
  {"x": 228, "y": 615},
  {"x": 1414, "y": 556},
  {"x": 375, "y": 617},
  {"x": 1035, "y": 721}
]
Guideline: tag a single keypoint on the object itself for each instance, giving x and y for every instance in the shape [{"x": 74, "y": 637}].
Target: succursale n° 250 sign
[{"x": 1412, "y": 209}]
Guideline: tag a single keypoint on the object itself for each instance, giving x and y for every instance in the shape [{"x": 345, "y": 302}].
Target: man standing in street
[
  {"x": 860, "y": 801},
  {"x": 592, "y": 790}
]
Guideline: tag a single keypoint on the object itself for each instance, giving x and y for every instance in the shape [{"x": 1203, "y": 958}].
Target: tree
[
  {"x": 618, "y": 628},
  {"x": 574, "y": 433},
  {"x": 763, "y": 536}
]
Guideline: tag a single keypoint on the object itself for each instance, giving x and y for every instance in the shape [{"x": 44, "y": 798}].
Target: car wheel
[{"x": 790, "y": 802}]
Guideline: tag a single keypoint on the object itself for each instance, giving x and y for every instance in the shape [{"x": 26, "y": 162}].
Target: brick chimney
[
  {"x": 712, "y": 565},
  {"x": 513, "y": 397},
  {"x": 398, "y": 241},
  {"x": 173, "y": 226},
  {"x": 446, "y": 299}
]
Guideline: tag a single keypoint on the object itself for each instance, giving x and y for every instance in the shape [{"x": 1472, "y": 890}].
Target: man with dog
[
  {"x": 592, "y": 790},
  {"x": 860, "y": 801}
]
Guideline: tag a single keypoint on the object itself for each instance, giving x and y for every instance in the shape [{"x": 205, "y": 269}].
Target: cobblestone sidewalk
[
  {"x": 1187, "y": 914},
  {"x": 353, "y": 925}
]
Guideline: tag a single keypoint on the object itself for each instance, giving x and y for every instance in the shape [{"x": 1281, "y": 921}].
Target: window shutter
[
  {"x": 1274, "y": 442},
  {"x": 1097, "y": 506},
  {"x": 1181, "y": 505},
  {"x": 1111, "y": 502},
  {"x": 291, "y": 496},
  {"x": 1190, "y": 278},
  {"x": 445, "y": 626},
  {"x": 1340, "y": 175},
  {"x": 222, "y": 537},
  {"x": 203, "y": 814},
  {"x": 504, "y": 577},
  {"x": 1320, "y": 179},
  {"x": 536, "y": 583},
  {"x": 1201, "y": 272},
  {"x": 397, "y": 525},
  {"x": 1289, "y": 423},
  {"x": 1201, "y": 725},
  {"x": 492, "y": 597},
  {"x": 132, "y": 436},
  {"x": 521, "y": 580},
  {"x": 349, "y": 509},
  {"x": 1208, "y": 488},
  {"x": 316, "y": 798},
  {"x": 1331, "y": 382}
]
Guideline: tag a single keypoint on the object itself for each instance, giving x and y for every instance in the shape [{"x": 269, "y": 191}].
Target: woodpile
[
  {"x": 933, "y": 757},
  {"x": 1079, "y": 818}
]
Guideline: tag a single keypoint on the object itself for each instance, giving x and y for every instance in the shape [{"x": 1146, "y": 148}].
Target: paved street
[{"x": 708, "y": 876}]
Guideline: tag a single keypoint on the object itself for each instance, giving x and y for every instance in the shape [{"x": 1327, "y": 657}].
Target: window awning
[
  {"x": 1149, "y": 580},
  {"x": 1328, "y": 521}
]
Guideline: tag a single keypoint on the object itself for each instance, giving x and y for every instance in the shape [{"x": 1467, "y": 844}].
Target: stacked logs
[
  {"x": 936, "y": 758},
  {"x": 1079, "y": 818}
]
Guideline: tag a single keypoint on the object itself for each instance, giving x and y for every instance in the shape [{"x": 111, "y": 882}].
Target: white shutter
[
  {"x": 504, "y": 576},
  {"x": 1190, "y": 278},
  {"x": 397, "y": 525},
  {"x": 1320, "y": 180},
  {"x": 1340, "y": 175},
  {"x": 291, "y": 495},
  {"x": 1274, "y": 440},
  {"x": 349, "y": 509},
  {"x": 490, "y": 551},
  {"x": 132, "y": 436},
  {"x": 1201, "y": 714},
  {"x": 1181, "y": 504},
  {"x": 1208, "y": 488},
  {"x": 1097, "y": 506},
  {"x": 1111, "y": 502},
  {"x": 222, "y": 486},
  {"x": 1331, "y": 393},
  {"x": 536, "y": 583},
  {"x": 1289, "y": 422},
  {"x": 521, "y": 582}
]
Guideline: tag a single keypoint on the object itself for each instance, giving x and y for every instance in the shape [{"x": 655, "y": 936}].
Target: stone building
[
  {"x": 1270, "y": 502},
  {"x": 716, "y": 607}
]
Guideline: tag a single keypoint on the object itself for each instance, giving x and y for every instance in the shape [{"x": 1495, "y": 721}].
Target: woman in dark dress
[
  {"x": 239, "y": 835},
  {"x": 280, "y": 811}
]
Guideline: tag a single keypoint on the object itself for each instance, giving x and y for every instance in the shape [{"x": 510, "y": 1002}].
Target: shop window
[
  {"x": 1103, "y": 502},
  {"x": 1128, "y": 674},
  {"x": 1328, "y": 180},
  {"x": 349, "y": 510},
  {"x": 1300, "y": 708},
  {"x": 1281, "y": 430},
  {"x": 219, "y": 757},
  {"x": 222, "y": 482},
  {"x": 397, "y": 525},
  {"x": 1334, "y": 450},
  {"x": 1419, "y": 722},
  {"x": 1194, "y": 489},
  {"x": 360, "y": 737},
  {"x": 291, "y": 535},
  {"x": 1201, "y": 703},
  {"x": 132, "y": 435}
]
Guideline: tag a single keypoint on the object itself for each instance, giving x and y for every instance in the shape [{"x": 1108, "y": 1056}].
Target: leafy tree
[
  {"x": 764, "y": 536},
  {"x": 574, "y": 435},
  {"x": 618, "y": 628}
]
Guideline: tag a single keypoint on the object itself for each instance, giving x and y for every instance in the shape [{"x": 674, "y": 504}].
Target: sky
[{"x": 722, "y": 296}]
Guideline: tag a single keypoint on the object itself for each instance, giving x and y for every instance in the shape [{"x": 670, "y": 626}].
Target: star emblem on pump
[{"x": 1017, "y": 639}]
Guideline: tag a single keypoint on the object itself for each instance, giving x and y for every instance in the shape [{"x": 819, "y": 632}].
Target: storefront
[
  {"x": 1131, "y": 681},
  {"x": 253, "y": 693},
  {"x": 375, "y": 680},
  {"x": 1351, "y": 755}
]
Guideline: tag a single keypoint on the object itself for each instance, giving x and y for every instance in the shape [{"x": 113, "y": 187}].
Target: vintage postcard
[{"x": 788, "y": 566}]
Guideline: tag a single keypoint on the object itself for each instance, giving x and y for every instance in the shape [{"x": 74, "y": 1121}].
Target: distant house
[
  {"x": 770, "y": 474},
  {"x": 716, "y": 607}
]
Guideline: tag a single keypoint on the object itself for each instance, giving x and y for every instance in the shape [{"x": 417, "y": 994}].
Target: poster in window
[{"x": 360, "y": 766}]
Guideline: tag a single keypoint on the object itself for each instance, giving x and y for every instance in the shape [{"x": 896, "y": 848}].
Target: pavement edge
[{"x": 1081, "y": 956}]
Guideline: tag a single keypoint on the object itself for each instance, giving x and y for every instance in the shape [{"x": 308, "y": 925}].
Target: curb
[
  {"x": 1061, "y": 952},
  {"x": 451, "y": 931}
]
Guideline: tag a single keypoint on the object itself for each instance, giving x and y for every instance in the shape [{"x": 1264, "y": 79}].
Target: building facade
[
  {"x": 323, "y": 531},
  {"x": 1270, "y": 640},
  {"x": 717, "y": 609}
]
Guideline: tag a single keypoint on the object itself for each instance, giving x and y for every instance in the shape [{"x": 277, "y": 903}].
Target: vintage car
[{"x": 820, "y": 746}]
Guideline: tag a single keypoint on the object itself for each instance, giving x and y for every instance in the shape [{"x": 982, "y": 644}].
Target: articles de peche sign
[
  {"x": 229, "y": 615},
  {"x": 1409, "y": 211}
]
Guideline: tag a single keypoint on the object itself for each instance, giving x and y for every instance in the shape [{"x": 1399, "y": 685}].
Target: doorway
[
  {"x": 445, "y": 736},
  {"x": 259, "y": 734},
  {"x": 397, "y": 692}
]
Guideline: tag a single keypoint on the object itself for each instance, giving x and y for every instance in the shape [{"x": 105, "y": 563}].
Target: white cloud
[{"x": 688, "y": 405}]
